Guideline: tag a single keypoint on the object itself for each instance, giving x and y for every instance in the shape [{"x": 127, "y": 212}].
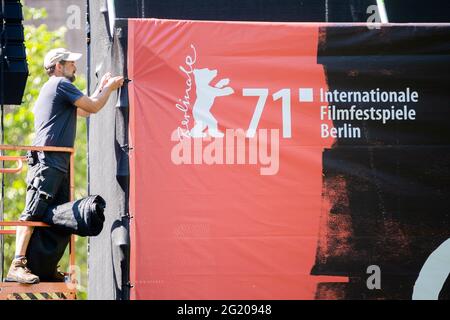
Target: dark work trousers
[{"x": 46, "y": 186}]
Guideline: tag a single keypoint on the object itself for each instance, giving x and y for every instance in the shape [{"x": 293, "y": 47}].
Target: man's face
[{"x": 68, "y": 70}]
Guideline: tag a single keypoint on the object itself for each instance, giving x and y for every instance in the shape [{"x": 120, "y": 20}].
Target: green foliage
[{"x": 19, "y": 130}]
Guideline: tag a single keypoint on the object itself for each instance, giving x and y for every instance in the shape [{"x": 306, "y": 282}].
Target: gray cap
[{"x": 59, "y": 54}]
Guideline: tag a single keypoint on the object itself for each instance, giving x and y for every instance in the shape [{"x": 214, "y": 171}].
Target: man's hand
[
  {"x": 104, "y": 80},
  {"x": 101, "y": 85},
  {"x": 114, "y": 83},
  {"x": 96, "y": 102}
]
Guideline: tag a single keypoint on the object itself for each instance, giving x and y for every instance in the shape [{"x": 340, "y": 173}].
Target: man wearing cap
[{"x": 55, "y": 112}]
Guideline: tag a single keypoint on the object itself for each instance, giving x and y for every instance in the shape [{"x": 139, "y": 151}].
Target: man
[{"x": 55, "y": 110}]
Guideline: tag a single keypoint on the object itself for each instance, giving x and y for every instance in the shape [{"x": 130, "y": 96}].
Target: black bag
[
  {"x": 82, "y": 217},
  {"x": 47, "y": 245}
]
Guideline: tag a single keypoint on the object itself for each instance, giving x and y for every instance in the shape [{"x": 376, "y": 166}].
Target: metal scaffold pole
[{"x": 2, "y": 94}]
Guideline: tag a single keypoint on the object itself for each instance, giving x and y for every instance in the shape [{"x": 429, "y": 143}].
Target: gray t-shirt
[{"x": 55, "y": 120}]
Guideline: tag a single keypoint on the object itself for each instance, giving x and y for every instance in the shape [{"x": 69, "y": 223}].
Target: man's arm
[
  {"x": 82, "y": 113},
  {"x": 87, "y": 105}
]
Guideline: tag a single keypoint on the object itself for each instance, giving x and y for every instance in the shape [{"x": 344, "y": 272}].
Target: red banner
[{"x": 227, "y": 133}]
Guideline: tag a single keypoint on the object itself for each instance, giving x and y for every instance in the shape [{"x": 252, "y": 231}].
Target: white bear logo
[{"x": 205, "y": 99}]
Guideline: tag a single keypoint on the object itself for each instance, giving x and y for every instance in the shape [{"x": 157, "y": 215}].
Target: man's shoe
[{"x": 18, "y": 272}]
